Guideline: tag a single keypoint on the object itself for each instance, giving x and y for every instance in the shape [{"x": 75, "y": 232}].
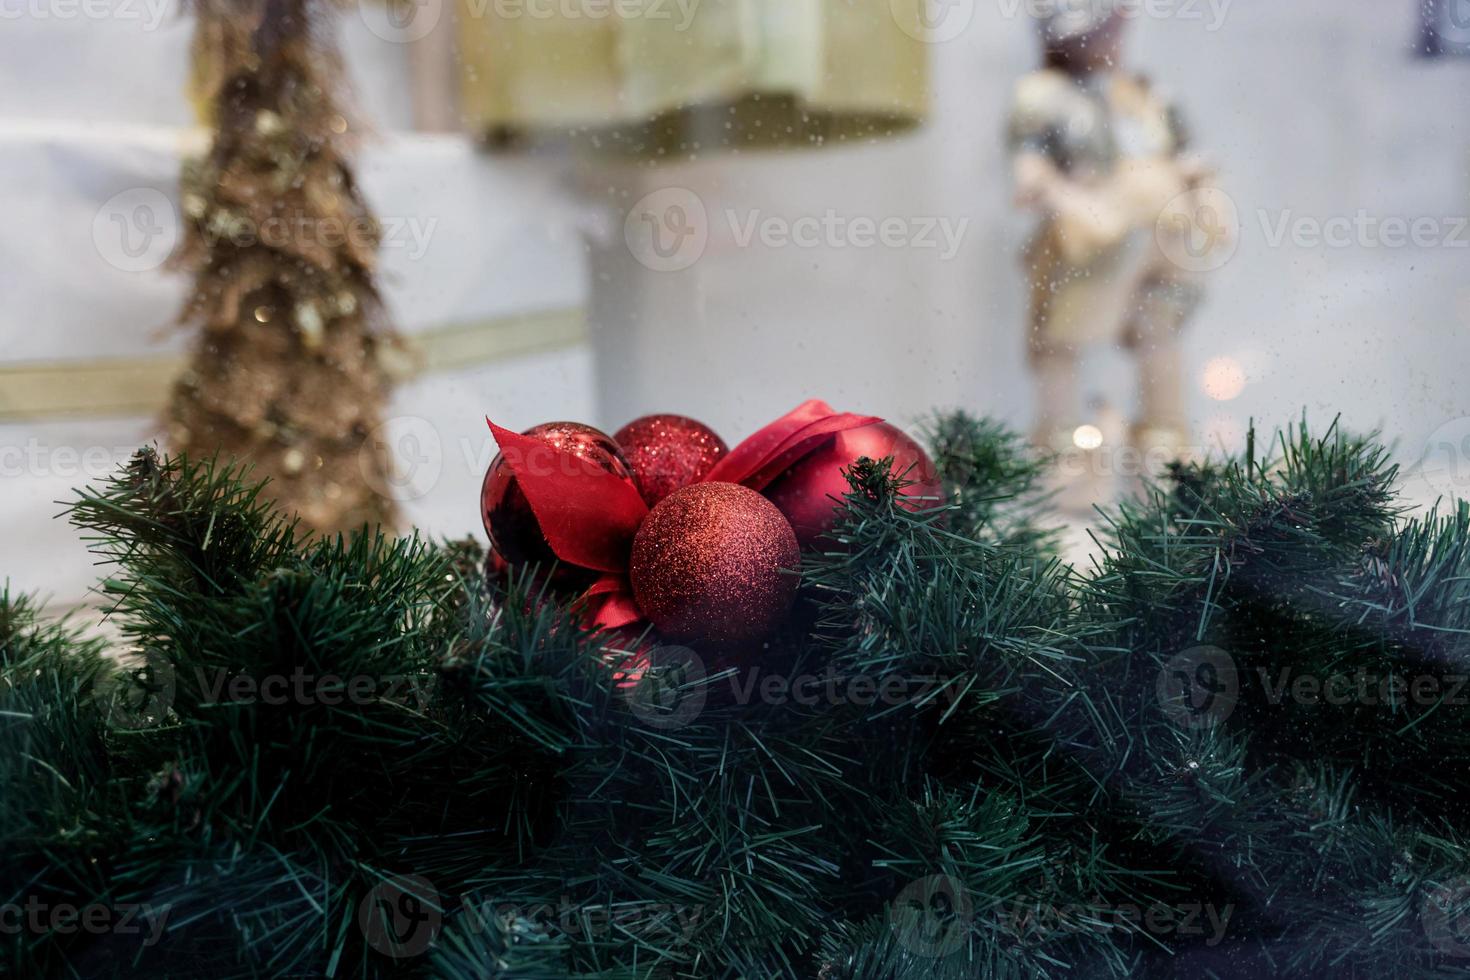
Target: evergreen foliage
[{"x": 1232, "y": 749}]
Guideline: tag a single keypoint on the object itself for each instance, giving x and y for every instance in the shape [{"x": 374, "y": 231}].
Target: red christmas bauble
[
  {"x": 805, "y": 493},
  {"x": 712, "y": 564},
  {"x": 667, "y": 452},
  {"x": 509, "y": 521}
]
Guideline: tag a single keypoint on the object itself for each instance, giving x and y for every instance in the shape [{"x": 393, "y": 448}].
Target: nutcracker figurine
[{"x": 1102, "y": 158}]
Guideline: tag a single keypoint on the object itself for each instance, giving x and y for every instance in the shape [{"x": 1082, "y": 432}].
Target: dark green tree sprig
[
  {"x": 561, "y": 802},
  {"x": 995, "y": 481}
]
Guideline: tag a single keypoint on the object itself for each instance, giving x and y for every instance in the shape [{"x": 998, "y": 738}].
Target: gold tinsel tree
[{"x": 287, "y": 371}]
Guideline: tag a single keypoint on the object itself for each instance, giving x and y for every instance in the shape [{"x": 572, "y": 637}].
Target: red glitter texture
[
  {"x": 713, "y": 564},
  {"x": 668, "y": 452}
]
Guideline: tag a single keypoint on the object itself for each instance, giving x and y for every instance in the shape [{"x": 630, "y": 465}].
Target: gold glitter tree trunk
[{"x": 287, "y": 371}]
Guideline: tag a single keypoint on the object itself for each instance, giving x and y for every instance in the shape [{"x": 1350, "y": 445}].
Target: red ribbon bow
[{"x": 589, "y": 516}]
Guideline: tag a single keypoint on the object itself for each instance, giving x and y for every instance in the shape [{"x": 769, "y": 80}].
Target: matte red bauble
[
  {"x": 667, "y": 452},
  {"x": 805, "y": 493},
  {"x": 713, "y": 564},
  {"x": 514, "y": 532}
]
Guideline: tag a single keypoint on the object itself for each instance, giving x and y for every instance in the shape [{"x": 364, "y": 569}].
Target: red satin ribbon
[
  {"x": 775, "y": 448},
  {"x": 609, "y": 603},
  {"x": 589, "y": 516}
]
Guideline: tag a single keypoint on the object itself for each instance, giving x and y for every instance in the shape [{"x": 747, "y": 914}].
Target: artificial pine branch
[
  {"x": 1282, "y": 564},
  {"x": 559, "y": 812},
  {"x": 995, "y": 481}
]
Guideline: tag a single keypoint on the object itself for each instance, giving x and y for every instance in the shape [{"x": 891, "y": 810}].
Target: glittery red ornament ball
[
  {"x": 805, "y": 492},
  {"x": 514, "y": 532},
  {"x": 667, "y": 452},
  {"x": 713, "y": 564}
]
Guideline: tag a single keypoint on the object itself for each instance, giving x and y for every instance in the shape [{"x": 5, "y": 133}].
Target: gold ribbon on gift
[{"x": 137, "y": 386}]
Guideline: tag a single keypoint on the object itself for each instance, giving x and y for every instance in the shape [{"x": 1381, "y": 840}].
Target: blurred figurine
[{"x": 1101, "y": 156}]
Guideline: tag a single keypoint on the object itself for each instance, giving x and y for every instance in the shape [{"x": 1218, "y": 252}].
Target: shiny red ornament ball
[
  {"x": 805, "y": 493},
  {"x": 667, "y": 452},
  {"x": 713, "y": 563},
  {"x": 514, "y": 531}
]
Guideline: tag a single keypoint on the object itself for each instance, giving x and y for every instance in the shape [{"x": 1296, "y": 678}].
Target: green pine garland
[{"x": 961, "y": 758}]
